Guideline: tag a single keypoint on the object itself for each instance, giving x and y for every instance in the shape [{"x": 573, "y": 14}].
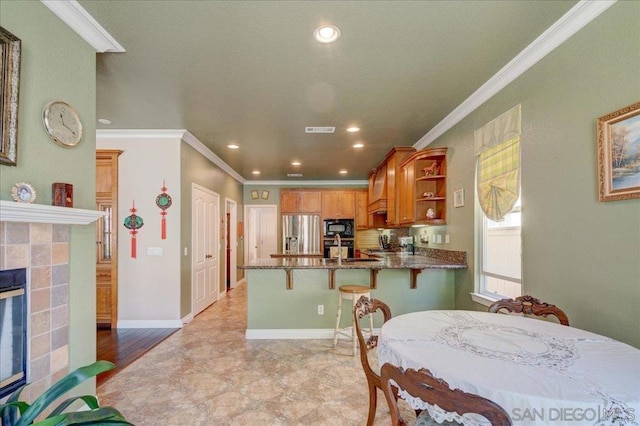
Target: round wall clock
[
  {"x": 22, "y": 192},
  {"x": 62, "y": 123}
]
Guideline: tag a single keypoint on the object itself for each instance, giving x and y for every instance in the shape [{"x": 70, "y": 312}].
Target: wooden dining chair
[
  {"x": 366, "y": 306},
  {"x": 529, "y": 305},
  {"x": 423, "y": 385}
]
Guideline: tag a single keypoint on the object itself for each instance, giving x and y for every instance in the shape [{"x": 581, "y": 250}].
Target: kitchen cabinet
[
  {"x": 338, "y": 204},
  {"x": 406, "y": 205},
  {"x": 300, "y": 201},
  {"x": 384, "y": 185},
  {"x": 362, "y": 216},
  {"x": 428, "y": 187}
]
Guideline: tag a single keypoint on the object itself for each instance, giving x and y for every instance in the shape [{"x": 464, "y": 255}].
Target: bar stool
[{"x": 353, "y": 293}]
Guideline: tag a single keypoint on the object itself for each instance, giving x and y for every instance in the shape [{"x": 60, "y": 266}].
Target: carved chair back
[
  {"x": 529, "y": 305},
  {"x": 366, "y": 306},
  {"x": 434, "y": 391}
]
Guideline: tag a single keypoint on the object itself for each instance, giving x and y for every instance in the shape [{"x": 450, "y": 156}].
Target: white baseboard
[
  {"x": 188, "y": 318},
  {"x": 149, "y": 324},
  {"x": 289, "y": 333}
]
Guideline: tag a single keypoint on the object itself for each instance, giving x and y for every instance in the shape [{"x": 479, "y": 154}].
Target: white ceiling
[{"x": 249, "y": 72}]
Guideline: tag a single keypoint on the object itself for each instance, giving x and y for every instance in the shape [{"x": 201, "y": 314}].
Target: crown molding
[
  {"x": 570, "y": 23},
  {"x": 202, "y": 149},
  {"x": 80, "y": 21},
  {"x": 299, "y": 183}
]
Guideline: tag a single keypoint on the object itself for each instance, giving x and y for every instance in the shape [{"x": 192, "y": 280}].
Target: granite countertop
[{"x": 430, "y": 259}]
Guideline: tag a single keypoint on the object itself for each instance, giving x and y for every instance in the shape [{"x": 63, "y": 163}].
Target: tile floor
[{"x": 208, "y": 374}]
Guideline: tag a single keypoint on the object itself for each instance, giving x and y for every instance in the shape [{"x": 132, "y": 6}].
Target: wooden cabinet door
[
  {"x": 406, "y": 191},
  {"x": 107, "y": 238},
  {"x": 362, "y": 217},
  {"x": 299, "y": 201},
  {"x": 338, "y": 204},
  {"x": 289, "y": 201},
  {"x": 310, "y": 201}
]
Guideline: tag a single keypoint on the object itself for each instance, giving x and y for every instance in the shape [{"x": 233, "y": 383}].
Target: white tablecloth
[{"x": 539, "y": 372}]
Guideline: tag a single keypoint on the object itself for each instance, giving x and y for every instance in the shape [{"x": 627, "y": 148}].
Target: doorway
[
  {"x": 262, "y": 231},
  {"x": 205, "y": 248}
]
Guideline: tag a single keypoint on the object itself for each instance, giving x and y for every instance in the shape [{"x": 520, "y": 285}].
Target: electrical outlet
[
  {"x": 447, "y": 239},
  {"x": 320, "y": 309},
  {"x": 439, "y": 239}
]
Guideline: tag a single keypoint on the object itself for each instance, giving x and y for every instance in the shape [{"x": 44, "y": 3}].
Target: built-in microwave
[{"x": 343, "y": 227}]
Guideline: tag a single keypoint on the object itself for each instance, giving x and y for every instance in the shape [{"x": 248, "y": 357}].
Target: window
[{"x": 500, "y": 255}]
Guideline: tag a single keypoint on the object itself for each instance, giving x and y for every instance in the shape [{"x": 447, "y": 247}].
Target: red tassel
[
  {"x": 133, "y": 246},
  {"x": 164, "y": 227}
]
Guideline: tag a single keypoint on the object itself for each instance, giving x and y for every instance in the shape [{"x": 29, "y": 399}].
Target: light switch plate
[
  {"x": 447, "y": 239},
  {"x": 154, "y": 251},
  {"x": 439, "y": 239}
]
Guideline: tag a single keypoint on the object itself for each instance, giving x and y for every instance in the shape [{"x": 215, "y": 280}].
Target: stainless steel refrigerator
[{"x": 301, "y": 234}]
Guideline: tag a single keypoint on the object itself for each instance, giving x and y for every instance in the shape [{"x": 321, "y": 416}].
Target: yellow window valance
[{"x": 497, "y": 148}]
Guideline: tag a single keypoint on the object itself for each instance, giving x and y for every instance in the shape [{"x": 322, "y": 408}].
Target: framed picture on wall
[
  {"x": 10, "y": 47},
  {"x": 254, "y": 195},
  {"x": 264, "y": 195},
  {"x": 458, "y": 198},
  {"x": 619, "y": 154}
]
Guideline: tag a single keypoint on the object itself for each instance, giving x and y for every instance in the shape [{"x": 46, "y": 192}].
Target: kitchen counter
[{"x": 379, "y": 261}]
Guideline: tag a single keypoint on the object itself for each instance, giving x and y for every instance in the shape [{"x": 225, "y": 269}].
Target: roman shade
[{"x": 497, "y": 150}]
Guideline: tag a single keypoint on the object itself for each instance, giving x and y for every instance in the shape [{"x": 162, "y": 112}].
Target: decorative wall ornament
[
  {"x": 264, "y": 195},
  {"x": 163, "y": 201},
  {"x": 10, "y": 47},
  {"x": 133, "y": 223}
]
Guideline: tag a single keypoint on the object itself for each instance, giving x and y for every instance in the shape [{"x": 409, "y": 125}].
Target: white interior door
[
  {"x": 205, "y": 248},
  {"x": 261, "y": 232}
]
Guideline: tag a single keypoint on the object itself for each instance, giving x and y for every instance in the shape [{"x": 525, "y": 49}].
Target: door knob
[{"x": 209, "y": 256}]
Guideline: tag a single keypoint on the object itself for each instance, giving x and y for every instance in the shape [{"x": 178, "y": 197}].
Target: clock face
[{"x": 62, "y": 123}]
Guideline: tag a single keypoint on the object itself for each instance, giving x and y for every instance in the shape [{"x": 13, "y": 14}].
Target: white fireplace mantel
[{"x": 10, "y": 211}]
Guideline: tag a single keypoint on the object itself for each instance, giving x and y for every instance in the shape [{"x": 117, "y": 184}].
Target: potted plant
[{"x": 20, "y": 413}]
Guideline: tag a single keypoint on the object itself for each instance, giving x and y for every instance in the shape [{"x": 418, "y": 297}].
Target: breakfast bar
[{"x": 297, "y": 297}]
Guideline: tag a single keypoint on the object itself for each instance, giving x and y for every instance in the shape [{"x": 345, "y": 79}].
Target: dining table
[{"x": 539, "y": 371}]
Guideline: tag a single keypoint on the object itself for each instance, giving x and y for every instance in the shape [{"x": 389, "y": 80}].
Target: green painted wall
[
  {"x": 58, "y": 64},
  {"x": 271, "y": 306},
  {"x": 578, "y": 253},
  {"x": 195, "y": 168}
]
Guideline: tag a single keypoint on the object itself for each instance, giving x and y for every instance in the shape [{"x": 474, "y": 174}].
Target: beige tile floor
[{"x": 208, "y": 374}]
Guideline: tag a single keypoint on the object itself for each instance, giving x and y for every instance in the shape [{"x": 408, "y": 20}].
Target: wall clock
[{"x": 62, "y": 123}]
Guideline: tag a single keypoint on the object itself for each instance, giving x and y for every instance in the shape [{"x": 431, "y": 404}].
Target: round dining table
[{"x": 540, "y": 372}]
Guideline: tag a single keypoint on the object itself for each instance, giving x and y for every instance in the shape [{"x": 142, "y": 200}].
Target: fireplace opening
[{"x": 13, "y": 330}]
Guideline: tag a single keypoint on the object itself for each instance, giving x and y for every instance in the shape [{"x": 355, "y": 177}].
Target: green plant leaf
[
  {"x": 101, "y": 416},
  {"x": 90, "y": 400},
  {"x": 59, "y": 388},
  {"x": 9, "y": 411}
]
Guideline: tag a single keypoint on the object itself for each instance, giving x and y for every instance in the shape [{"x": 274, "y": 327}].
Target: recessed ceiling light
[
  {"x": 343, "y": 172},
  {"x": 353, "y": 129},
  {"x": 256, "y": 172},
  {"x": 326, "y": 33},
  {"x": 233, "y": 146},
  {"x": 104, "y": 121},
  {"x": 295, "y": 163},
  {"x": 358, "y": 145}
]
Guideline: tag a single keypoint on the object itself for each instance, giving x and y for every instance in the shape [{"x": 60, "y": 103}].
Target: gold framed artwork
[
  {"x": 255, "y": 195},
  {"x": 264, "y": 195},
  {"x": 10, "y": 47},
  {"x": 619, "y": 154}
]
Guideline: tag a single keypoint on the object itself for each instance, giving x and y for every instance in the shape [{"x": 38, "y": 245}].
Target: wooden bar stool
[{"x": 353, "y": 293}]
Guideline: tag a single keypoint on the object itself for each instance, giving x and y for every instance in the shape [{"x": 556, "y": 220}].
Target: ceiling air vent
[
  {"x": 319, "y": 129},
  {"x": 294, "y": 174}
]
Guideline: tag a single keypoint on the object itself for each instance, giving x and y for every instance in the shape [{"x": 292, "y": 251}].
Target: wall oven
[{"x": 343, "y": 227}]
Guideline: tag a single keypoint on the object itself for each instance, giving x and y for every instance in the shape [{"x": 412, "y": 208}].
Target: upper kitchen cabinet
[
  {"x": 339, "y": 204},
  {"x": 300, "y": 201},
  {"x": 424, "y": 181},
  {"x": 384, "y": 185}
]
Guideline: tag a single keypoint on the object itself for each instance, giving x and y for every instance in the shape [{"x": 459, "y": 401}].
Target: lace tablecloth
[{"x": 539, "y": 372}]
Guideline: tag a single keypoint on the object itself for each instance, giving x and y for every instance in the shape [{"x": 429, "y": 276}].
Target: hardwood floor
[{"x": 123, "y": 346}]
